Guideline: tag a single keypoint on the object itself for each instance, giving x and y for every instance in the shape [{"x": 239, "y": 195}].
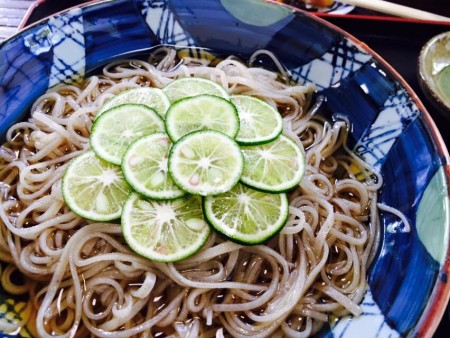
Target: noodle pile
[{"x": 85, "y": 281}]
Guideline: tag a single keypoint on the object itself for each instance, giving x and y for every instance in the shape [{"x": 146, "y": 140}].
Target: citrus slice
[
  {"x": 145, "y": 167},
  {"x": 205, "y": 163},
  {"x": 259, "y": 121},
  {"x": 120, "y": 126},
  {"x": 277, "y": 166},
  {"x": 164, "y": 231},
  {"x": 201, "y": 112},
  {"x": 94, "y": 189},
  {"x": 192, "y": 86},
  {"x": 151, "y": 97},
  {"x": 245, "y": 215}
]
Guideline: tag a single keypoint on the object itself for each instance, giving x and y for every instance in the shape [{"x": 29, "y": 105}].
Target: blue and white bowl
[{"x": 408, "y": 282}]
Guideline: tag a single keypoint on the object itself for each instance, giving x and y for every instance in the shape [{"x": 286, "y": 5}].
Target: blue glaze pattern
[
  {"x": 397, "y": 112},
  {"x": 388, "y": 129},
  {"x": 167, "y": 29},
  {"x": 67, "y": 40},
  {"x": 23, "y": 74},
  {"x": 369, "y": 91},
  {"x": 114, "y": 31},
  {"x": 342, "y": 59},
  {"x": 419, "y": 163},
  {"x": 372, "y": 317}
]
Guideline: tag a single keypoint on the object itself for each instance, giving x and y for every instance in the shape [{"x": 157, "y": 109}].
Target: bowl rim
[{"x": 440, "y": 294}]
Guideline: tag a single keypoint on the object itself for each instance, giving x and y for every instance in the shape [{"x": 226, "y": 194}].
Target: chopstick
[{"x": 392, "y": 9}]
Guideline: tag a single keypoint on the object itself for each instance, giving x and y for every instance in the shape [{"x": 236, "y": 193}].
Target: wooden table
[{"x": 11, "y": 15}]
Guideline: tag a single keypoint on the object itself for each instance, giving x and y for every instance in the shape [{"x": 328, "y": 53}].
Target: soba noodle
[{"x": 83, "y": 279}]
